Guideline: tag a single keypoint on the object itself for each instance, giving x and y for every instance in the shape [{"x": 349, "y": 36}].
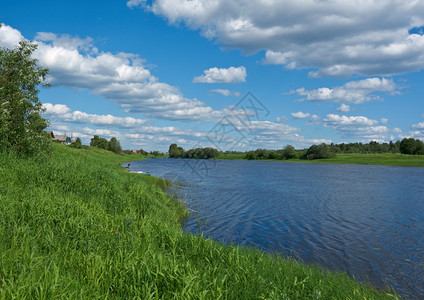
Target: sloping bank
[{"x": 76, "y": 226}]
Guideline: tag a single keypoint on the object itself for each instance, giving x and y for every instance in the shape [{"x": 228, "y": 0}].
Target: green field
[
  {"x": 76, "y": 226},
  {"x": 387, "y": 159}
]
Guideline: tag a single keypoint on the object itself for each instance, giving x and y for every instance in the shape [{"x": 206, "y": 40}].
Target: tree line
[
  {"x": 200, "y": 153},
  {"x": 405, "y": 146}
]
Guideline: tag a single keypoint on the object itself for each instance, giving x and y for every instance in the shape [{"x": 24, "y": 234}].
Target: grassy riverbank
[
  {"x": 385, "y": 159},
  {"x": 76, "y": 226}
]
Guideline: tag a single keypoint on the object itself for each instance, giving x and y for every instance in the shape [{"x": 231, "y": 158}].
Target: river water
[{"x": 365, "y": 220}]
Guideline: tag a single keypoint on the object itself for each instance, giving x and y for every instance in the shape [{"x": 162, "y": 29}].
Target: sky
[{"x": 233, "y": 75}]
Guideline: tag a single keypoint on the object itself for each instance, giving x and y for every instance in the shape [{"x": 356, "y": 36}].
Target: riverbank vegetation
[
  {"x": 74, "y": 225},
  {"x": 408, "y": 152}
]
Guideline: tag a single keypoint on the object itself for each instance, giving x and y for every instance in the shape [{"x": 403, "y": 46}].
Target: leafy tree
[
  {"x": 114, "y": 145},
  {"x": 411, "y": 146},
  {"x": 21, "y": 125},
  {"x": 201, "y": 153},
  {"x": 142, "y": 152},
  {"x": 77, "y": 144},
  {"x": 99, "y": 142},
  {"x": 156, "y": 154},
  {"x": 289, "y": 152},
  {"x": 318, "y": 152},
  {"x": 250, "y": 155},
  {"x": 175, "y": 151}
]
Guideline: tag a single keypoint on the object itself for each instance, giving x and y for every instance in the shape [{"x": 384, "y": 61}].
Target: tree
[
  {"x": 319, "y": 152},
  {"x": 114, "y": 145},
  {"x": 175, "y": 151},
  {"x": 411, "y": 146},
  {"x": 289, "y": 152},
  {"x": 77, "y": 143},
  {"x": 21, "y": 125},
  {"x": 99, "y": 142}
]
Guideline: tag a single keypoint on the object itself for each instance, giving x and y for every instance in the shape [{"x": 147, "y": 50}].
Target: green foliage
[
  {"x": 77, "y": 144},
  {"x": 411, "y": 146},
  {"x": 198, "y": 153},
  {"x": 142, "y": 152},
  {"x": 175, "y": 151},
  {"x": 98, "y": 142},
  {"x": 289, "y": 152},
  {"x": 157, "y": 154},
  {"x": 319, "y": 152},
  {"x": 114, "y": 145},
  {"x": 201, "y": 153},
  {"x": 21, "y": 125},
  {"x": 77, "y": 227}
]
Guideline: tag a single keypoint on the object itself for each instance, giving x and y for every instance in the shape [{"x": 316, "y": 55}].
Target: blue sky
[{"x": 152, "y": 73}]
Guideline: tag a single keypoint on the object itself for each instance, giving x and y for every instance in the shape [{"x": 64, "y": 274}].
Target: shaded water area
[{"x": 365, "y": 220}]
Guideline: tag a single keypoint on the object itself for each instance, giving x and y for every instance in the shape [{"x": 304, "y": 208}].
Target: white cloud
[
  {"x": 9, "y": 37},
  {"x": 121, "y": 78},
  {"x": 315, "y": 118},
  {"x": 300, "y": 115},
  {"x": 64, "y": 113},
  {"x": 135, "y": 3},
  {"x": 418, "y": 126},
  {"x": 222, "y": 75},
  {"x": 351, "y": 92},
  {"x": 384, "y": 120},
  {"x": 356, "y": 127},
  {"x": 344, "y": 108},
  {"x": 281, "y": 119},
  {"x": 225, "y": 92},
  {"x": 364, "y": 37},
  {"x": 417, "y": 131}
]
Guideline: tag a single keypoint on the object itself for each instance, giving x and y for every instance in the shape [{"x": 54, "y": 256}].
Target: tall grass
[{"x": 74, "y": 225}]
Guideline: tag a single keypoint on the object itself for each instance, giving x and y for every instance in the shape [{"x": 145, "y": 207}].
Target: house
[{"x": 63, "y": 139}]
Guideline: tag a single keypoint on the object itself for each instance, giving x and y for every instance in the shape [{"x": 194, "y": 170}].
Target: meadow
[
  {"x": 75, "y": 225},
  {"x": 384, "y": 159}
]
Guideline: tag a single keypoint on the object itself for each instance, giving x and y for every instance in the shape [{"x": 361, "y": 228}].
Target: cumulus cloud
[
  {"x": 276, "y": 135},
  {"x": 370, "y": 38},
  {"x": 417, "y": 131},
  {"x": 9, "y": 37},
  {"x": 122, "y": 78},
  {"x": 300, "y": 115},
  {"x": 356, "y": 127},
  {"x": 315, "y": 118},
  {"x": 64, "y": 113},
  {"x": 225, "y": 92},
  {"x": 355, "y": 92},
  {"x": 344, "y": 108},
  {"x": 222, "y": 75}
]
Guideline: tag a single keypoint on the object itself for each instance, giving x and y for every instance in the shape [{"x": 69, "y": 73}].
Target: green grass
[
  {"x": 230, "y": 156},
  {"x": 76, "y": 226},
  {"x": 386, "y": 159}
]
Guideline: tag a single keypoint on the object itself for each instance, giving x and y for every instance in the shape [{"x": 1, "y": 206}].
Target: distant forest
[{"x": 405, "y": 146}]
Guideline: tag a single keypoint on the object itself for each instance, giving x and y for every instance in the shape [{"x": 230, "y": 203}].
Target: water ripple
[{"x": 365, "y": 220}]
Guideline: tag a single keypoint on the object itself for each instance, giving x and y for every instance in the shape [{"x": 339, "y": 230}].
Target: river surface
[{"x": 365, "y": 220}]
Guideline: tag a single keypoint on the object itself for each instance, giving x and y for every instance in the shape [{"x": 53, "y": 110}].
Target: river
[{"x": 365, "y": 220}]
